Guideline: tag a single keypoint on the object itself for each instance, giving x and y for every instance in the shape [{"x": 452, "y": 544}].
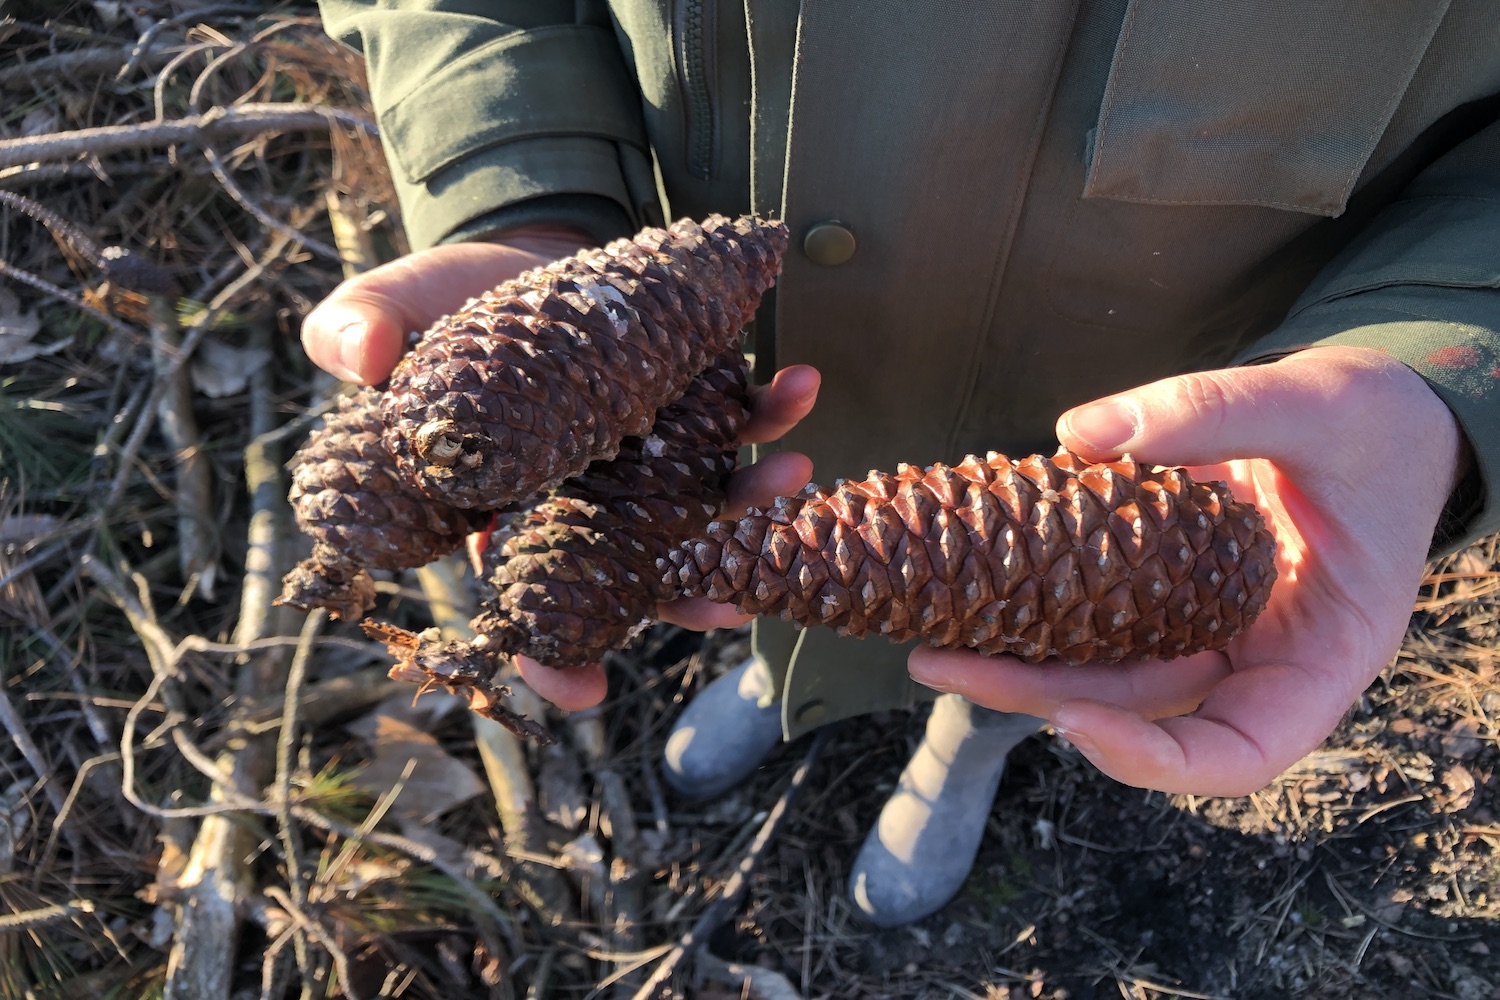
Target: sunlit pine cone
[
  {"x": 1042, "y": 557},
  {"x": 348, "y": 495},
  {"x": 529, "y": 383}
]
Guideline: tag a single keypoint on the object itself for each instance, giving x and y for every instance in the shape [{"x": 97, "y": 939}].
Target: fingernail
[
  {"x": 930, "y": 675},
  {"x": 1105, "y": 426},
  {"x": 1060, "y": 722},
  {"x": 351, "y": 338}
]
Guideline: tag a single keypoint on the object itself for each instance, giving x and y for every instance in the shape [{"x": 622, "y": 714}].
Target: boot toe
[
  {"x": 890, "y": 890},
  {"x": 919, "y": 854},
  {"x": 723, "y": 734}
]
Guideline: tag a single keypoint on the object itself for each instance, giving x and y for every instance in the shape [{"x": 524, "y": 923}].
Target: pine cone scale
[{"x": 574, "y": 577}]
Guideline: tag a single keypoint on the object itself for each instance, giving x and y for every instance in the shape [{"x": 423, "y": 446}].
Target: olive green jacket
[{"x": 1049, "y": 201}]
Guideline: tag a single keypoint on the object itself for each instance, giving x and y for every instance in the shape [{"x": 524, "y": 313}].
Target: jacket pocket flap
[
  {"x": 1277, "y": 103},
  {"x": 553, "y": 81}
]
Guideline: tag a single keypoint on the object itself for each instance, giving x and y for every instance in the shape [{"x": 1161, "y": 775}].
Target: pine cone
[
  {"x": 347, "y": 494},
  {"x": 1038, "y": 558},
  {"x": 526, "y": 385},
  {"x": 575, "y": 576}
]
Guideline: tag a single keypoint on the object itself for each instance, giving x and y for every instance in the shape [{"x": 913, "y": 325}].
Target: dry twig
[
  {"x": 722, "y": 907},
  {"x": 213, "y": 125}
]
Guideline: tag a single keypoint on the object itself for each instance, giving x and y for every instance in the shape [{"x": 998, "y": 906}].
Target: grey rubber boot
[
  {"x": 921, "y": 849},
  {"x": 724, "y": 733}
]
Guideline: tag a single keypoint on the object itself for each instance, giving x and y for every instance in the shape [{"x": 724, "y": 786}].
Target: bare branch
[{"x": 212, "y": 125}]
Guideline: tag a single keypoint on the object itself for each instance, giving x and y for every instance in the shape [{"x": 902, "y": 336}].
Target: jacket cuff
[
  {"x": 1457, "y": 355},
  {"x": 1422, "y": 284},
  {"x": 529, "y": 114},
  {"x": 601, "y": 218}
]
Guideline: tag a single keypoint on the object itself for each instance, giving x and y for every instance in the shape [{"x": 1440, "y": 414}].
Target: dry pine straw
[{"x": 1367, "y": 871}]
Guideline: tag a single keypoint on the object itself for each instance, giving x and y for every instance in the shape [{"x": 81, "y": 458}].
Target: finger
[
  {"x": 1252, "y": 727},
  {"x": 476, "y": 543},
  {"x": 700, "y": 614},
  {"x": 359, "y": 331},
  {"x": 780, "y": 404},
  {"x": 569, "y": 688},
  {"x": 1153, "y": 689},
  {"x": 779, "y": 474}
]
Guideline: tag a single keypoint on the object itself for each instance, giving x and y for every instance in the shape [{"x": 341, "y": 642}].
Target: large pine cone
[
  {"x": 526, "y": 385},
  {"x": 1038, "y": 558},
  {"x": 575, "y": 576},
  {"x": 347, "y": 494}
]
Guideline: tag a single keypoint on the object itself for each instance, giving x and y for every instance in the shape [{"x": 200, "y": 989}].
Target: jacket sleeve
[
  {"x": 1422, "y": 282},
  {"x": 500, "y": 113}
]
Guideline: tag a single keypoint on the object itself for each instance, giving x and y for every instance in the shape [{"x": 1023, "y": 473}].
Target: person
[{"x": 1260, "y": 241}]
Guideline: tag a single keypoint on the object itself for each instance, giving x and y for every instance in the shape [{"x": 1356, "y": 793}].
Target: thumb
[
  {"x": 1287, "y": 411},
  {"x": 359, "y": 331}
]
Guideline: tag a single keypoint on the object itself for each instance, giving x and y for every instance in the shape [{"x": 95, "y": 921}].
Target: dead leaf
[
  {"x": 1460, "y": 784},
  {"x": 219, "y": 369},
  {"x": 423, "y": 713},
  {"x": 18, "y": 332},
  {"x": 360, "y": 875},
  {"x": 40, "y": 121},
  {"x": 1463, "y": 741},
  {"x": 436, "y": 783},
  {"x": 446, "y": 848},
  {"x": 111, "y": 12},
  {"x": 559, "y": 790}
]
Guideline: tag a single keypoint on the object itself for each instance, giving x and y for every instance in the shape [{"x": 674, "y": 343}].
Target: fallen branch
[
  {"x": 235, "y": 192},
  {"x": 218, "y": 875},
  {"x": 504, "y": 760},
  {"x": 212, "y": 125},
  {"x": 29, "y": 920},
  {"x": 82, "y": 62},
  {"x": 63, "y": 295},
  {"x": 10, "y": 721},
  {"x": 620, "y": 915},
  {"x": 197, "y": 553}
]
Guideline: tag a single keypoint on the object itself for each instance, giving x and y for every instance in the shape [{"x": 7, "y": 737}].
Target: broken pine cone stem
[{"x": 1042, "y": 557}]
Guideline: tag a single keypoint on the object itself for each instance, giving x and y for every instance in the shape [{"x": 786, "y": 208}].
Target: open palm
[{"x": 1329, "y": 427}]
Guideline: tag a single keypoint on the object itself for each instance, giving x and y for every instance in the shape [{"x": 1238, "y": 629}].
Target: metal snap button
[{"x": 829, "y": 244}]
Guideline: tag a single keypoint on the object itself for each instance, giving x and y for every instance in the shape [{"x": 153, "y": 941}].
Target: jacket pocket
[{"x": 1277, "y": 103}]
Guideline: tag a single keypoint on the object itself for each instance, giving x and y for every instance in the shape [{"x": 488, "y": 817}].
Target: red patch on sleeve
[{"x": 1453, "y": 357}]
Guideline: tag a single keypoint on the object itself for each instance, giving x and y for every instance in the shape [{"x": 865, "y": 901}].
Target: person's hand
[
  {"x": 775, "y": 408},
  {"x": 359, "y": 331},
  {"x": 1350, "y": 456}
]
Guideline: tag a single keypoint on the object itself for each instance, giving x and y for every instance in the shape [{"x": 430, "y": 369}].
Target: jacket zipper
[{"x": 695, "y": 36}]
